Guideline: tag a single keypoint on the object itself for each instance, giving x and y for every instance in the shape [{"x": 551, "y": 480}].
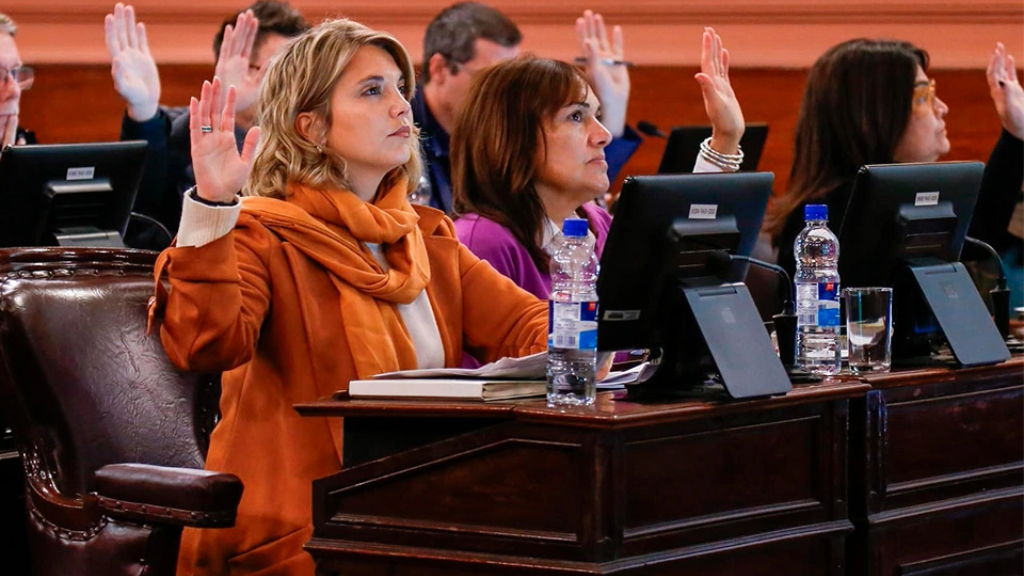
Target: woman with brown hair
[
  {"x": 320, "y": 274},
  {"x": 527, "y": 152},
  {"x": 871, "y": 102}
]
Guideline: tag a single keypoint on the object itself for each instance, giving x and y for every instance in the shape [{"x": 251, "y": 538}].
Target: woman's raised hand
[
  {"x": 219, "y": 169},
  {"x": 720, "y": 102},
  {"x": 1006, "y": 91}
]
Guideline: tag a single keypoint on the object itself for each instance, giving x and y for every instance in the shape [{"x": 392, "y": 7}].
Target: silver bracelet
[{"x": 729, "y": 162}]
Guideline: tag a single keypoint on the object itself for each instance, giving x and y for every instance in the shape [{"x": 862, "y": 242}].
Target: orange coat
[{"x": 254, "y": 305}]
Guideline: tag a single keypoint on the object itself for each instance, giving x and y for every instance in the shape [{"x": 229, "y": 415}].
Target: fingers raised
[
  {"x": 129, "y": 27},
  {"x": 143, "y": 39},
  {"x": 110, "y": 36},
  {"x": 119, "y": 26},
  {"x": 227, "y": 118}
]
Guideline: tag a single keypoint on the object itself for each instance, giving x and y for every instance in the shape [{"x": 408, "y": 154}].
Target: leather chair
[{"x": 112, "y": 437}]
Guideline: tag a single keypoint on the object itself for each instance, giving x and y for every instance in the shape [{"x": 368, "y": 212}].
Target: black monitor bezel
[
  {"x": 868, "y": 233},
  {"x": 28, "y": 197},
  {"x": 635, "y": 274},
  {"x": 683, "y": 146}
]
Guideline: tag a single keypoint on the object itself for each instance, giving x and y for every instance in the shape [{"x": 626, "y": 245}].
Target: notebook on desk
[{"x": 448, "y": 388}]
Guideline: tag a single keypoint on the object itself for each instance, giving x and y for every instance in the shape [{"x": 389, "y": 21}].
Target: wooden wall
[
  {"x": 77, "y": 103},
  {"x": 759, "y": 33}
]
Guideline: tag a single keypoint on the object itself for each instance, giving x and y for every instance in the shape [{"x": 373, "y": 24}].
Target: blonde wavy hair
[{"x": 301, "y": 79}]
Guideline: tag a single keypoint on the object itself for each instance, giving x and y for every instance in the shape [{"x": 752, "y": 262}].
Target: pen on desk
[{"x": 606, "y": 62}]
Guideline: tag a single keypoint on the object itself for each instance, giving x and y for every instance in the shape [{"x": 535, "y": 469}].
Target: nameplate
[
  {"x": 621, "y": 315},
  {"x": 85, "y": 173},
  {"x": 703, "y": 211},
  {"x": 926, "y": 199}
]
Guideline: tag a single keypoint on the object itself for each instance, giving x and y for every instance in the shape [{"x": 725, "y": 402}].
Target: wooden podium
[
  {"x": 681, "y": 487},
  {"x": 937, "y": 473}
]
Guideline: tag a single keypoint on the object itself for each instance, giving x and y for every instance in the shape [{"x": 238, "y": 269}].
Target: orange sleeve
[{"x": 219, "y": 296}]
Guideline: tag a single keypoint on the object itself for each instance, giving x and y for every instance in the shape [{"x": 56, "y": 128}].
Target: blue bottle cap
[
  {"x": 576, "y": 227},
  {"x": 815, "y": 212}
]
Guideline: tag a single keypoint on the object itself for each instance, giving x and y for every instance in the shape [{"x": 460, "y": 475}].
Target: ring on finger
[{"x": 206, "y": 129}]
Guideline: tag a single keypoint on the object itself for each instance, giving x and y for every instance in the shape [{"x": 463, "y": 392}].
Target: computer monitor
[
  {"x": 684, "y": 144},
  {"x": 904, "y": 227},
  {"x": 68, "y": 194},
  {"x": 667, "y": 281}
]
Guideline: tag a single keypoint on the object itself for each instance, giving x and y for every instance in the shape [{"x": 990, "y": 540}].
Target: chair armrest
[{"x": 163, "y": 495}]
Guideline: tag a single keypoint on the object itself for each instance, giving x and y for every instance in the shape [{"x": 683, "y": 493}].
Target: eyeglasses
[
  {"x": 23, "y": 75},
  {"x": 924, "y": 94}
]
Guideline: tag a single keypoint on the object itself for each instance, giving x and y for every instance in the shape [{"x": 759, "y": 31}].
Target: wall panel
[{"x": 766, "y": 33}]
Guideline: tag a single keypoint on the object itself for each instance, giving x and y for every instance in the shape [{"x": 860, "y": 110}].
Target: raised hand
[
  {"x": 8, "y": 130},
  {"x": 135, "y": 75},
  {"x": 219, "y": 169},
  {"x": 233, "y": 62},
  {"x": 720, "y": 102},
  {"x": 1006, "y": 91},
  {"x": 605, "y": 69}
]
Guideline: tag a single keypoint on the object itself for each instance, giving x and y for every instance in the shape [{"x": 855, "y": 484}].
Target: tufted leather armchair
[{"x": 112, "y": 437}]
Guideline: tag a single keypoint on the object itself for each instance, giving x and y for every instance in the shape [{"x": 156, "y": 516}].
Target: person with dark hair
[
  {"x": 529, "y": 150},
  {"x": 242, "y": 47},
  {"x": 16, "y": 79},
  {"x": 871, "y": 102},
  {"x": 468, "y": 37},
  {"x": 320, "y": 274}
]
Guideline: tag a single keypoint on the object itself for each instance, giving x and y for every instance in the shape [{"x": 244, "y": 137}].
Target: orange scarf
[{"x": 368, "y": 293}]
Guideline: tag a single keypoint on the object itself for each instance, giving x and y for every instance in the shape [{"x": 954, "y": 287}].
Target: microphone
[
  {"x": 1000, "y": 295},
  {"x": 650, "y": 129}
]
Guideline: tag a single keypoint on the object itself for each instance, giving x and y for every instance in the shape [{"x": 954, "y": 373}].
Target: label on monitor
[
  {"x": 84, "y": 173},
  {"x": 703, "y": 211},
  {"x": 926, "y": 199},
  {"x": 621, "y": 315}
]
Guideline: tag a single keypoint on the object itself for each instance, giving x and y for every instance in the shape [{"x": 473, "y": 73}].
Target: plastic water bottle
[
  {"x": 817, "y": 294},
  {"x": 572, "y": 318}
]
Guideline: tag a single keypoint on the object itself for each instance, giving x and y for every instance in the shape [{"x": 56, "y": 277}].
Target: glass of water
[{"x": 869, "y": 329}]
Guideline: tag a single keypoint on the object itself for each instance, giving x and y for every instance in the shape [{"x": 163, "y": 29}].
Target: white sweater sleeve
[
  {"x": 703, "y": 166},
  {"x": 202, "y": 223}
]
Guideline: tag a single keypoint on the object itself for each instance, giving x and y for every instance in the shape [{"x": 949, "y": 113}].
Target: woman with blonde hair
[{"x": 320, "y": 274}]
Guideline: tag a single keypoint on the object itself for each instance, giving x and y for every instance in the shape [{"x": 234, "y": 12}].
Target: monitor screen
[
  {"x": 902, "y": 212},
  {"x": 684, "y": 144},
  {"x": 68, "y": 194},
  {"x": 667, "y": 233}
]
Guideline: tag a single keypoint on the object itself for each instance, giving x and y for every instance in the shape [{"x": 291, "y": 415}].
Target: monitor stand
[
  {"x": 738, "y": 345},
  {"x": 962, "y": 316},
  {"x": 87, "y": 237}
]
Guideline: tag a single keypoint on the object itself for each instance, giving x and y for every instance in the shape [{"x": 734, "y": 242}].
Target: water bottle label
[
  {"x": 828, "y": 304},
  {"x": 572, "y": 325},
  {"x": 817, "y": 304}
]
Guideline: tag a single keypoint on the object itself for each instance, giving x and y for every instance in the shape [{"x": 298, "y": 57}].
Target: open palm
[
  {"x": 235, "y": 57},
  {"x": 132, "y": 66},
  {"x": 219, "y": 169},
  {"x": 605, "y": 69},
  {"x": 1006, "y": 91},
  {"x": 720, "y": 103}
]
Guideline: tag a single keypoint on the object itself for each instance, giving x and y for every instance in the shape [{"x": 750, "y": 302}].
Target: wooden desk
[
  {"x": 937, "y": 473},
  {"x": 432, "y": 488}
]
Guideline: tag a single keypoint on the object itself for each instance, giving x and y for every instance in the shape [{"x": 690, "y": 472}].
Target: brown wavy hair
[
  {"x": 855, "y": 109},
  {"x": 301, "y": 79},
  {"x": 497, "y": 144}
]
